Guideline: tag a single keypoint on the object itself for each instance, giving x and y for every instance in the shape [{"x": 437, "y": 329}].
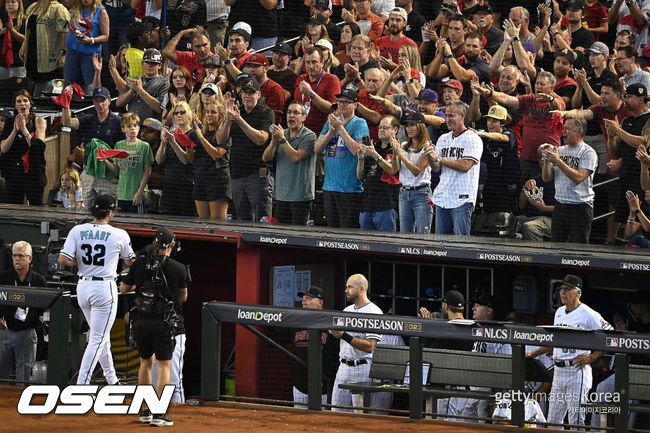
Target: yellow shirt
[
  {"x": 51, "y": 32},
  {"x": 134, "y": 60}
]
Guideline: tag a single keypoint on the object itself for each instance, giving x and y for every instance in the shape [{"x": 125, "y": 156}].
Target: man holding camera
[{"x": 160, "y": 284}]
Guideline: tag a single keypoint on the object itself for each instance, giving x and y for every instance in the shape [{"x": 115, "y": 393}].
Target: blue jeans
[
  {"x": 385, "y": 220},
  {"x": 415, "y": 212},
  {"x": 457, "y": 221},
  {"x": 639, "y": 241},
  {"x": 79, "y": 68}
]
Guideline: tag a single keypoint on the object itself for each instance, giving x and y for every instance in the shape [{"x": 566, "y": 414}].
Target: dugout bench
[{"x": 457, "y": 369}]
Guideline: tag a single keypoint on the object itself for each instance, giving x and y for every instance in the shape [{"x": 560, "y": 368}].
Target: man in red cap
[{"x": 257, "y": 66}]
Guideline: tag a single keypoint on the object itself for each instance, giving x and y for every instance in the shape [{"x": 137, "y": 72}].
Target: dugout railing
[{"x": 622, "y": 344}]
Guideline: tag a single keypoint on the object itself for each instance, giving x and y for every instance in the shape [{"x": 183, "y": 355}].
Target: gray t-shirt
[
  {"x": 294, "y": 181},
  {"x": 582, "y": 156},
  {"x": 156, "y": 87}
]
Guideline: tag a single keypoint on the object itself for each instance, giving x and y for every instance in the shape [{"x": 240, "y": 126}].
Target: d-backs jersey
[
  {"x": 97, "y": 249},
  {"x": 583, "y": 317},
  {"x": 346, "y": 350}
]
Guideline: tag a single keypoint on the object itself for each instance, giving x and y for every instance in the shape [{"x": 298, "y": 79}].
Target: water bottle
[
  {"x": 229, "y": 217},
  {"x": 310, "y": 222},
  {"x": 264, "y": 220}
]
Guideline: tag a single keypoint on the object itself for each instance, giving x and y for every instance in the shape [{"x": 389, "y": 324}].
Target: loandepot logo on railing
[
  {"x": 372, "y": 323},
  {"x": 272, "y": 240},
  {"x": 532, "y": 336},
  {"x": 259, "y": 316},
  {"x": 575, "y": 262}
]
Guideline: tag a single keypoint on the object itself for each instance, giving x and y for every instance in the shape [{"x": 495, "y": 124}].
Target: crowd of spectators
[{"x": 390, "y": 115}]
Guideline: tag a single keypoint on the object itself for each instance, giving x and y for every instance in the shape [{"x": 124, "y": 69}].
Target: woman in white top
[{"x": 415, "y": 210}]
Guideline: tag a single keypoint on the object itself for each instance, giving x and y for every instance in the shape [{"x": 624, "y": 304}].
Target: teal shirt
[{"x": 340, "y": 163}]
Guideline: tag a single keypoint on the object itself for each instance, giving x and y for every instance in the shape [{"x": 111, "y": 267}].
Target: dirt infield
[{"x": 228, "y": 418}]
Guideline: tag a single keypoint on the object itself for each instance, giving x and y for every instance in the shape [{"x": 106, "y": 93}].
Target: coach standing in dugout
[
  {"x": 96, "y": 248},
  {"x": 356, "y": 350},
  {"x": 17, "y": 324},
  {"x": 160, "y": 284},
  {"x": 572, "y": 378}
]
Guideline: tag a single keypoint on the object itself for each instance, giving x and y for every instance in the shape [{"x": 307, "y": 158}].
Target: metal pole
[
  {"x": 210, "y": 356},
  {"x": 58, "y": 359},
  {"x": 415, "y": 387},
  {"x": 315, "y": 371},
  {"x": 622, "y": 388},
  {"x": 518, "y": 379}
]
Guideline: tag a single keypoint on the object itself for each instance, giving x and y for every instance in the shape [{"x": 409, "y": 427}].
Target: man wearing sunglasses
[{"x": 18, "y": 324}]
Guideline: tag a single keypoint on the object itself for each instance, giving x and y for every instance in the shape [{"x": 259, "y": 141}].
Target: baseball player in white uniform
[
  {"x": 572, "y": 379},
  {"x": 95, "y": 248},
  {"x": 356, "y": 348},
  {"x": 484, "y": 307}
]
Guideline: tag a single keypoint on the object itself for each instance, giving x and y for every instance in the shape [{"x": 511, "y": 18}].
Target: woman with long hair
[
  {"x": 212, "y": 190},
  {"x": 348, "y": 31},
  {"x": 180, "y": 89},
  {"x": 89, "y": 28},
  {"x": 375, "y": 168},
  {"x": 177, "y": 180},
  {"x": 23, "y": 155},
  {"x": 118, "y": 69},
  {"x": 314, "y": 30},
  {"x": 415, "y": 211},
  {"x": 12, "y": 16},
  {"x": 43, "y": 50}
]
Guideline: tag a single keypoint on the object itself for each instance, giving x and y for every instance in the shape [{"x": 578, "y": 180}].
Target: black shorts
[
  {"x": 212, "y": 188},
  {"x": 152, "y": 336}
]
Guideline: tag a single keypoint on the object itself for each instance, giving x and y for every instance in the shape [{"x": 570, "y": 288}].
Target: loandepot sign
[{"x": 259, "y": 316}]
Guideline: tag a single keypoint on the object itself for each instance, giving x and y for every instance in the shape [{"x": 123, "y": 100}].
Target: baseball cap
[
  {"x": 485, "y": 299},
  {"x": 570, "y": 280},
  {"x": 282, "y": 47},
  {"x": 313, "y": 291},
  {"x": 348, "y": 93},
  {"x": 451, "y": 7},
  {"x": 257, "y": 59},
  {"x": 210, "y": 86},
  {"x": 484, "y": 8},
  {"x": 152, "y": 55},
  {"x": 568, "y": 54},
  {"x": 454, "y": 84},
  {"x": 152, "y": 123},
  {"x": 324, "y": 43},
  {"x": 105, "y": 202},
  {"x": 454, "y": 298},
  {"x": 243, "y": 29},
  {"x": 600, "y": 48},
  {"x": 637, "y": 89},
  {"x": 213, "y": 61},
  {"x": 325, "y": 4},
  {"x": 497, "y": 112},
  {"x": 316, "y": 19},
  {"x": 6, "y": 113},
  {"x": 164, "y": 237},
  {"x": 251, "y": 83},
  {"x": 427, "y": 95},
  {"x": 412, "y": 117},
  {"x": 576, "y": 4},
  {"x": 101, "y": 92},
  {"x": 399, "y": 11}
]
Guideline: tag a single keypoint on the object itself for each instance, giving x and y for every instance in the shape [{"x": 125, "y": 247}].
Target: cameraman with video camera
[{"x": 160, "y": 284}]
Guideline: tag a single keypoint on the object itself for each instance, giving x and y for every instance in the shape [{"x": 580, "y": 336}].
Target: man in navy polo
[{"x": 104, "y": 125}]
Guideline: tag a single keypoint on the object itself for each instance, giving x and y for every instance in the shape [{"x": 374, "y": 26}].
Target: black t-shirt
[
  {"x": 582, "y": 38},
  {"x": 175, "y": 274},
  {"x": 377, "y": 195},
  {"x": 502, "y": 163},
  {"x": 299, "y": 373},
  {"x": 286, "y": 79},
  {"x": 263, "y": 22},
  {"x": 185, "y": 14},
  {"x": 494, "y": 38},
  {"x": 630, "y": 166},
  {"x": 32, "y": 279},
  {"x": 246, "y": 156},
  {"x": 414, "y": 25}
]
